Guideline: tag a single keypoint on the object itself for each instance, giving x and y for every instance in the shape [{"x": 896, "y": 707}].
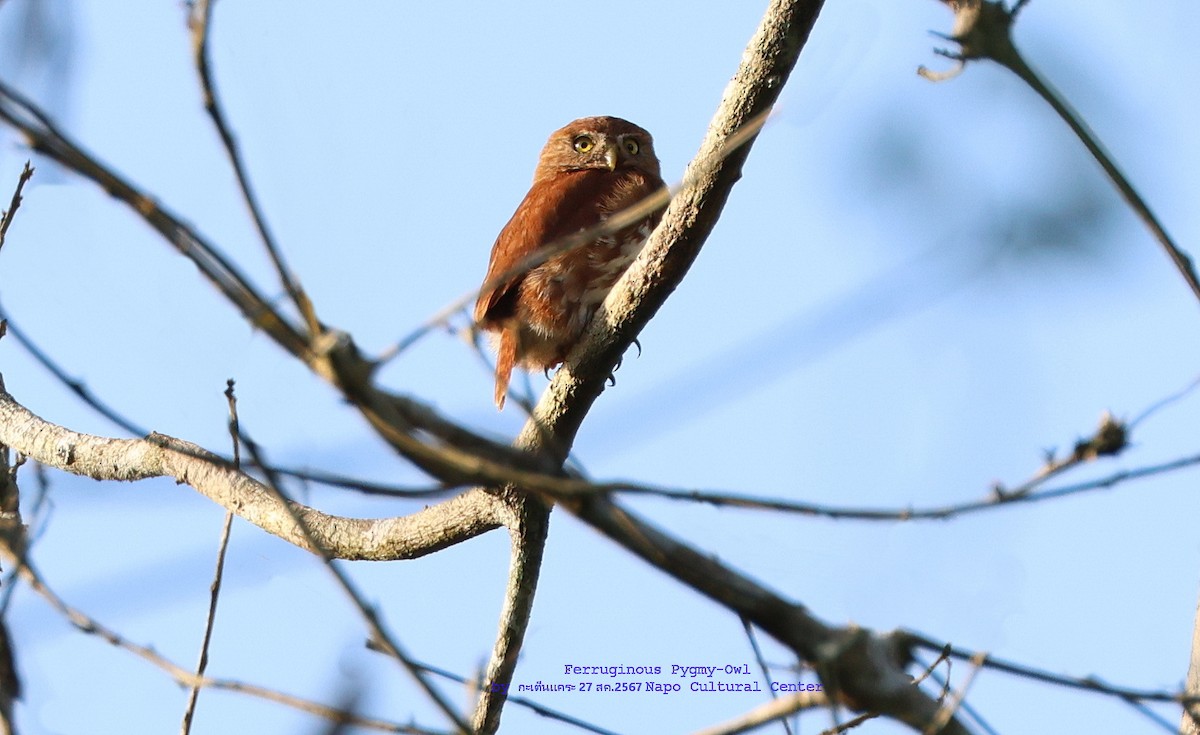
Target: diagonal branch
[
  {"x": 183, "y": 676},
  {"x": 214, "y": 590},
  {"x": 6, "y": 216},
  {"x": 867, "y": 669},
  {"x": 983, "y": 30},
  {"x": 200, "y": 21},
  {"x": 662, "y": 264},
  {"x": 440, "y": 447},
  {"x": 45, "y": 137},
  {"x": 382, "y": 638}
]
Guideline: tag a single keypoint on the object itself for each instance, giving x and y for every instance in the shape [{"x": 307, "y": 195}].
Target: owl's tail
[{"x": 505, "y": 359}]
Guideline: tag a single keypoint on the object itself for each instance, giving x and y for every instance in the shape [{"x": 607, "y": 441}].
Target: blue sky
[{"x": 915, "y": 290}]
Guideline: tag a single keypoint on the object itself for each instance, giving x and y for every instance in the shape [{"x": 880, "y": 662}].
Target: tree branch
[
  {"x": 866, "y": 670},
  {"x": 6, "y": 216},
  {"x": 186, "y": 678},
  {"x": 200, "y": 22},
  {"x": 100, "y": 458},
  {"x": 983, "y": 30}
]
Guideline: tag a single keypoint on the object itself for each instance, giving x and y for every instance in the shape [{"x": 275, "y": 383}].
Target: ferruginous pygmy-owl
[{"x": 590, "y": 169}]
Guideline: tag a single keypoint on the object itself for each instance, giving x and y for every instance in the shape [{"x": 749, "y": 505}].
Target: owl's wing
[{"x": 555, "y": 206}]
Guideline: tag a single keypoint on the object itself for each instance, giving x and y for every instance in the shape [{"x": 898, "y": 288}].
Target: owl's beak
[{"x": 610, "y": 158}]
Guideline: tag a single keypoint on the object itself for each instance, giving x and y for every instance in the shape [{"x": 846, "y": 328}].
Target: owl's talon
[
  {"x": 637, "y": 345},
  {"x": 612, "y": 378}
]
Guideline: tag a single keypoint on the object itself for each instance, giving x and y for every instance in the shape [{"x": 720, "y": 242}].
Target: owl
[{"x": 589, "y": 170}]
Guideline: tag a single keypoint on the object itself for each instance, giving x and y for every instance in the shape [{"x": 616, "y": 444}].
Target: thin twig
[
  {"x": 202, "y": 665},
  {"x": 89, "y": 397},
  {"x": 184, "y": 677},
  {"x": 974, "y": 713},
  {"x": 6, "y": 217},
  {"x": 1183, "y": 262},
  {"x": 76, "y": 386},
  {"x": 35, "y": 522},
  {"x": 930, "y": 668},
  {"x": 45, "y": 137},
  {"x": 1164, "y": 403},
  {"x": 850, "y": 724},
  {"x": 1146, "y": 712},
  {"x": 762, "y": 667},
  {"x": 776, "y": 709},
  {"x": 332, "y": 714},
  {"x": 12, "y": 535},
  {"x": 1084, "y": 683},
  {"x": 949, "y": 708},
  {"x": 200, "y": 22},
  {"x": 1109, "y": 440},
  {"x": 984, "y": 31},
  {"x": 937, "y": 513},
  {"x": 379, "y": 633},
  {"x": 537, "y": 708},
  {"x": 215, "y": 589}
]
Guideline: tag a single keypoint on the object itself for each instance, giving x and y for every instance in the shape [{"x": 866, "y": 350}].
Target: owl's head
[{"x": 607, "y": 143}]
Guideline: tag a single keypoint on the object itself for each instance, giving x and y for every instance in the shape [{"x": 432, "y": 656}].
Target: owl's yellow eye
[
  {"x": 583, "y": 143},
  {"x": 631, "y": 146}
]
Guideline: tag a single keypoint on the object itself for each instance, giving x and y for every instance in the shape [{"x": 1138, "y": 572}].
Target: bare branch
[
  {"x": 184, "y": 677},
  {"x": 1085, "y": 683},
  {"x": 200, "y": 22},
  {"x": 6, "y": 217},
  {"x": 45, "y": 137},
  {"x": 995, "y": 500},
  {"x": 1164, "y": 403},
  {"x": 850, "y": 724},
  {"x": 948, "y": 709},
  {"x": 776, "y": 709},
  {"x": 81, "y": 391},
  {"x": 424, "y": 532},
  {"x": 983, "y": 30},
  {"x": 215, "y": 588},
  {"x": 868, "y": 669},
  {"x": 762, "y": 667},
  {"x": 456, "y": 456},
  {"x": 85, "y": 394},
  {"x": 194, "y": 693},
  {"x": 528, "y": 527},
  {"x": 930, "y": 672},
  {"x": 449, "y": 452},
  {"x": 381, "y": 637},
  {"x": 535, "y": 707}
]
